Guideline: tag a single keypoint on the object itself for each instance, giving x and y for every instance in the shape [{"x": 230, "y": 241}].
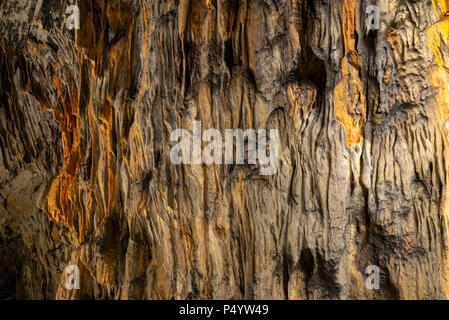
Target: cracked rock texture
[{"x": 86, "y": 177}]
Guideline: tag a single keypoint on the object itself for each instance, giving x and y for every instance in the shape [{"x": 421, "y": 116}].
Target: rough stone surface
[{"x": 86, "y": 177}]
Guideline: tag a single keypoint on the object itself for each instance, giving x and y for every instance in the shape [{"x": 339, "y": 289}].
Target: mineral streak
[{"x": 85, "y": 171}]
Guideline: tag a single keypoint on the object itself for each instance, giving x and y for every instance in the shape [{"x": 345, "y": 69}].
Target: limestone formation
[{"x": 86, "y": 177}]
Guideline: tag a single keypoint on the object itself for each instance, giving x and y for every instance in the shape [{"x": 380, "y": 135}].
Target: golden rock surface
[{"x": 86, "y": 177}]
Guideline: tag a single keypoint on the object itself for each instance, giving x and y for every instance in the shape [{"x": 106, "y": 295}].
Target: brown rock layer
[{"x": 86, "y": 177}]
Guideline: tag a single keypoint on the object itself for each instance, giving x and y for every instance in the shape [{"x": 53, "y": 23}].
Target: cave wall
[{"x": 86, "y": 177}]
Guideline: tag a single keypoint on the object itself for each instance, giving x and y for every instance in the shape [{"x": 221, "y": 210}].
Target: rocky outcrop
[{"x": 86, "y": 177}]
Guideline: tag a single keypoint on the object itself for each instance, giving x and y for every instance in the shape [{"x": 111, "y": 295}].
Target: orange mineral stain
[
  {"x": 349, "y": 96},
  {"x": 438, "y": 38},
  {"x": 105, "y": 65}
]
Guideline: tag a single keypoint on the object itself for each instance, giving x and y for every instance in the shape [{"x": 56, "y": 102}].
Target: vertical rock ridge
[{"x": 86, "y": 177}]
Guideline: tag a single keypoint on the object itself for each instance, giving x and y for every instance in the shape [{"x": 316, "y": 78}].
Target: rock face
[{"x": 86, "y": 177}]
